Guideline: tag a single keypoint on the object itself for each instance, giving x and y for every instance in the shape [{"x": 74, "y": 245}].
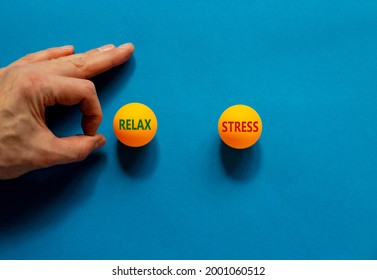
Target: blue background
[{"x": 306, "y": 190}]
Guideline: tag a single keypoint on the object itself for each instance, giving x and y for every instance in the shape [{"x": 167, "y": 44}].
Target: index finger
[
  {"x": 91, "y": 63},
  {"x": 72, "y": 91}
]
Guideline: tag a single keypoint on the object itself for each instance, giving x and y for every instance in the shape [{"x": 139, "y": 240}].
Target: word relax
[
  {"x": 240, "y": 126},
  {"x": 131, "y": 124}
]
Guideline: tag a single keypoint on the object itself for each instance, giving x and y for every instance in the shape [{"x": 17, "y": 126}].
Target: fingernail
[
  {"x": 106, "y": 47},
  {"x": 99, "y": 143},
  {"x": 67, "y": 47},
  {"x": 128, "y": 45}
]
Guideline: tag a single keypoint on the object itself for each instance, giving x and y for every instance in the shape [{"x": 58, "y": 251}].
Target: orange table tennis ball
[
  {"x": 240, "y": 126},
  {"x": 135, "y": 125}
]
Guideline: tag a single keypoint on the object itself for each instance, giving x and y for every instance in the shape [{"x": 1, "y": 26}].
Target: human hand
[{"x": 45, "y": 78}]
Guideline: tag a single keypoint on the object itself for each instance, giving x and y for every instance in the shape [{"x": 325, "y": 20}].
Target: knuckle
[
  {"x": 80, "y": 155},
  {"x": 28, "y": 58},
  {"x": 80, "y": 64},
  {"x": 99, "y": 117},
  {"x": 115, "y": 57},
  {"x": 89, "y": 87}
]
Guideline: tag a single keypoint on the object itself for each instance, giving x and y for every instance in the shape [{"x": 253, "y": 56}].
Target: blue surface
[{"x": 307, "y": 190}]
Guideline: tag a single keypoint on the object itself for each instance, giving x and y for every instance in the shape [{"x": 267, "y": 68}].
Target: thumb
[{"x": 75, "y": 148}]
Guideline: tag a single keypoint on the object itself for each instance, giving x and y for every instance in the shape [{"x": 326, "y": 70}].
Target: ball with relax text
[
  {"x": 135, "y": 125},
  {"x": 240, "y": 126}
]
